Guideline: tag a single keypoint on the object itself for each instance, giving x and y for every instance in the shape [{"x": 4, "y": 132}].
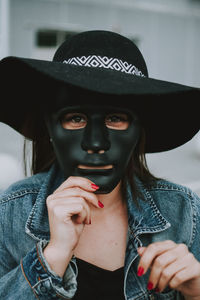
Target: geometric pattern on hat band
[{"x": 97, "y": 61}]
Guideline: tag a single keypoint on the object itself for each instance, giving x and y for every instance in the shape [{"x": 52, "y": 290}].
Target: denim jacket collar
[
  {"x": 144, "y": 215},
  {"x": 143, "y": 218}
]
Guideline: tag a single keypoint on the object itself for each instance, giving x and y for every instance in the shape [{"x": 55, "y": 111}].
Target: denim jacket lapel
[
  {"x": 144, "y": 215},
  {"x": 37, "y": 225}
]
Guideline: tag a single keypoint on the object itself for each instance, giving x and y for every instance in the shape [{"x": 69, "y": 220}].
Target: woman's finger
[
  {"x": 75, "y": 208},
  {"x": 152, "y": 251},
  {"x": 76, "y": 181},
  {"x": 84, "y": 216},
  {"x": 81, "y": 217},
  {"x": 184, "y": 279},
  {"x": 76, "y": 192},
  {"x": 160, "y": 273},
  {"x": 169, "y": 272},
  {"x": 141, "y": 250}
]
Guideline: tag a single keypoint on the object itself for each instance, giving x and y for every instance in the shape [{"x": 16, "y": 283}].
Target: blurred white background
[{"x": 166, "y": 31}]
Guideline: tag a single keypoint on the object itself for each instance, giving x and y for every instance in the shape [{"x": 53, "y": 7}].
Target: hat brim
[{"x": 168, "y": 111}]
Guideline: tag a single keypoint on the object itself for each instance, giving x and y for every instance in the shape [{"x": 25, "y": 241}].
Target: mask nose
[{"x": 95, "y": 138}]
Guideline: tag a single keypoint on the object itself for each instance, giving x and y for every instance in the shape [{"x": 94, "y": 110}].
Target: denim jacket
[{"x": 167, "y": 212}]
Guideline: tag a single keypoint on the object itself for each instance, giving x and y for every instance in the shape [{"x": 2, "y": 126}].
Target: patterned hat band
[{"x": 97, "y": 61}]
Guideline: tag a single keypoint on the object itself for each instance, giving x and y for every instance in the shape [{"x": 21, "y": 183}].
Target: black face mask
[{"x": 97, "y": 141}]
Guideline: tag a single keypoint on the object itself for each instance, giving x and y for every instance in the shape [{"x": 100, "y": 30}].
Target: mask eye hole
[
  {"x": 118, "y": 121},
  {"x": 73, "y": 121}
]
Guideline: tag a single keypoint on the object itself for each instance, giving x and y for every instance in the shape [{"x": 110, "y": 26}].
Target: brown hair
[{"x": 138, "y": 167}]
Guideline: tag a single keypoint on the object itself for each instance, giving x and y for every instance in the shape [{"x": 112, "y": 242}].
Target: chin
[
  {"x": 102, "y": 191},
  {"x": 107, "y": 189}
]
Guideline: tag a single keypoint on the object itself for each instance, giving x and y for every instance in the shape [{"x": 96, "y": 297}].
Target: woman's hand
[
  {"x": 171, "y": 265},
  {"x": 68, "y": 211}
]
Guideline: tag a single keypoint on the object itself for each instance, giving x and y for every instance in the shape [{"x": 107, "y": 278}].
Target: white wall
[
  {"x": 169, "y": 34},
  {"x": 4, "y": 27}
]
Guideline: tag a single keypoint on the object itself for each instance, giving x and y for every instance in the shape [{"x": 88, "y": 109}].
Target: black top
[{"x": 95, "y": 283}]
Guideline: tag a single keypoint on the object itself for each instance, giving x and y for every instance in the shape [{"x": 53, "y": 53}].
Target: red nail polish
[
  {"x": 140, "y": 271},
  {"x": 150, "y": 285},
  {"x": 94, "y": 186},
  {"x": 157, "y": 290},
  {"x": 100, "y": 204}
]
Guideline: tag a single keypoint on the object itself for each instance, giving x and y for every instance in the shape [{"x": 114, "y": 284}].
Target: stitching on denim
[
  {"x": 2, "y": 223},
  {"x": 38, "y": 283},
  {"x": 194, "y": 219},
  {"x": 141, "y": 296},
  {"x": 156, "y": 212},
  {"x": 48, "y": 272},
  {"x": 29, "y": 227},
  {"x": 138, "y": 231},
  {"x": 40, "y": 259},
  {"x": 50, "y": 292},
  {"x": 29, "y": 220},
  {"x": 190, "y": 194},
  {"x": 18, "y": 194},
  {"x": 167, "y": 187},
  {"x": 36, "y": 238},
  {"x": 27, "y": 279}
]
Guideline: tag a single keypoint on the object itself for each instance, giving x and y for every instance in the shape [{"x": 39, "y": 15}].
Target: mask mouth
[
  {"x": 87, "y": 167},
  {"x": 103, "y": 170}
]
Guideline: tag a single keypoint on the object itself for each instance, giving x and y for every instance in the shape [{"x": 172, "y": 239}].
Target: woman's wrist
[{"x": 57, "y": 260}]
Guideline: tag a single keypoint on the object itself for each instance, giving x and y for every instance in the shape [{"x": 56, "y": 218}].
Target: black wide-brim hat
[{"x": 101, "y": 62}]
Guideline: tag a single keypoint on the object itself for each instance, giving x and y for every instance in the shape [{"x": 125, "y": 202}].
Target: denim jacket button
[{"x": 43, "y": 289}]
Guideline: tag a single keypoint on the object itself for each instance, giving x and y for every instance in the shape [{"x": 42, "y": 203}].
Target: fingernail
[
  {"x": 157, "y": 290},
  {"x": 90, "y": 222},
  {"x": 100, "y": 204},
  {"x": 94, "y": 186},
  {"x": 150, "y": 285},
  {"x": 140, "y": 271}
]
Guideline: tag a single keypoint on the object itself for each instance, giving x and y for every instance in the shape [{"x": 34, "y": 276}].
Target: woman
[{"x": 93, "y": 222}]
